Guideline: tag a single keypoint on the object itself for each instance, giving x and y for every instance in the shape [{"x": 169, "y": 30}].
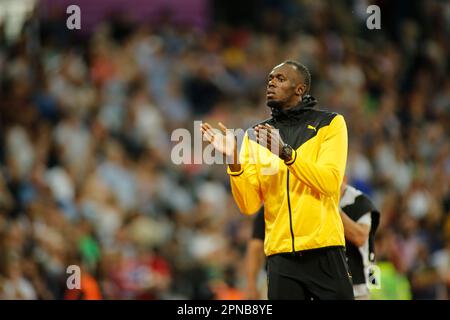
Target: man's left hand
[{"x": 269, "y": 137}]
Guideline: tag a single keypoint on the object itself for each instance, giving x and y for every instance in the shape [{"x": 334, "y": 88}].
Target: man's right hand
[{"x": 224, "y": 141}]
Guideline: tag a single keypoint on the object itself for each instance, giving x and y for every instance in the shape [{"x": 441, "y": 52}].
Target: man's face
[{"x": 284, "y": 87}]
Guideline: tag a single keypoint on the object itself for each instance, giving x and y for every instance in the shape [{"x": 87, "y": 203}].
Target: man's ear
[{"x": 300, "y": 90}]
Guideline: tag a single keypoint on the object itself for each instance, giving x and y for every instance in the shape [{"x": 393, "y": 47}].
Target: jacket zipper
[{"x": 290, "y": 214}]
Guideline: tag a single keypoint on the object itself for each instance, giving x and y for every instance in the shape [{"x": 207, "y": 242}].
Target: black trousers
[{"x": 312, "y": 274}]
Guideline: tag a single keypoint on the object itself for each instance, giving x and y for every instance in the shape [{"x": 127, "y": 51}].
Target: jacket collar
[{"x": 308, "y": 102}]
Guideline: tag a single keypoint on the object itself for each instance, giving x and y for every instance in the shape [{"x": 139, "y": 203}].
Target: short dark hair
[{"x": 303, "y": 70}]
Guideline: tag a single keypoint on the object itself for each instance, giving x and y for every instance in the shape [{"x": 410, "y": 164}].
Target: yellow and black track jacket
[{"x": 301, "y": 198}]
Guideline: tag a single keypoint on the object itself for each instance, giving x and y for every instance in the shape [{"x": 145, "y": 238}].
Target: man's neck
[{"x": 291, "y": 105}]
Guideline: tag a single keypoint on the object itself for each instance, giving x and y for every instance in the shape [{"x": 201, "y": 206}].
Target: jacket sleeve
[
  {"x": 324, "y": 175},
  {"x": 245, "y": 185}
]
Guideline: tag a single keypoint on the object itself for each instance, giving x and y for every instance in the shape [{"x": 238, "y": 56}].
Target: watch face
[{"x": 287, "y": 151}]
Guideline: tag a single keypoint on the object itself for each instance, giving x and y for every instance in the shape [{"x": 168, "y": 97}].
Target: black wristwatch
[{"x": 286, "y": 153}]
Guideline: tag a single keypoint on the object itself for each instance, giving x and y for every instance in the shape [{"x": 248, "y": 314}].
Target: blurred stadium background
[{"x": 86, "y": 119}]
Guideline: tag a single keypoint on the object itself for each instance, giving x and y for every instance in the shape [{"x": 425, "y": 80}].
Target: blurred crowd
[{"x": 86, "y": 176}]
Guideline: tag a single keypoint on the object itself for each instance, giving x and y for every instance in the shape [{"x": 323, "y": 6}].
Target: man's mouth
[{"x": 270, "y": 93}]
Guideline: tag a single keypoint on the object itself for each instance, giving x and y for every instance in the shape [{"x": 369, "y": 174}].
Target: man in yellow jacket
[{"x": 294, "y": 164}]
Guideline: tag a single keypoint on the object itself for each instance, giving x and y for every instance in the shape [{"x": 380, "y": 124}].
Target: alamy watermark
[
  {"x": 374, "y": 20},
  {"x": 74, "y": 279},
  {"x": 189, "y": 149},
  {"x": 74, "y": 20}
]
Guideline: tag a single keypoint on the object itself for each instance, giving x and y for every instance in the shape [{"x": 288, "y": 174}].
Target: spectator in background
[
  {"x": 361, "y": 220},
  {"x": 441, "y": 263},
  {"x": 393, "y": 284},
  {"x": 16, "y": 286}
]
